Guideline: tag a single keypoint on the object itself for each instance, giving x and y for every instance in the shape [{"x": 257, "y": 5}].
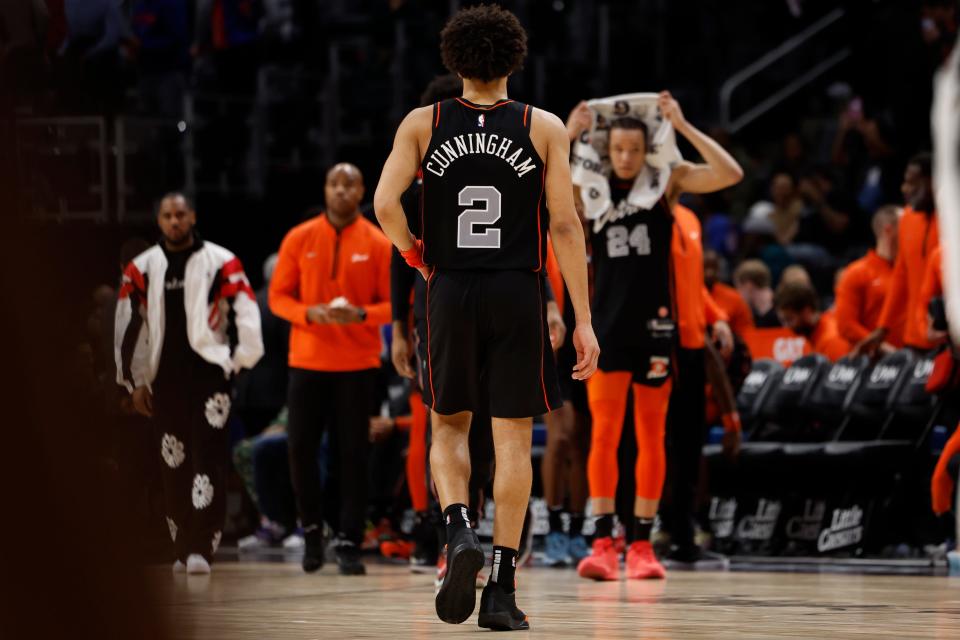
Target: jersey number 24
[{"x": 620, "y": 241}]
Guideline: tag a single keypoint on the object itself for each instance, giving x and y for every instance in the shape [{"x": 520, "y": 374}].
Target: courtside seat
[
  {"x": 913, "y": 403},
  {"x": 872, "y": 403},
  {"x": 785, "y": 413},
  {"x": 763, "y": 376},
  {"x": 831, "y": 397}
]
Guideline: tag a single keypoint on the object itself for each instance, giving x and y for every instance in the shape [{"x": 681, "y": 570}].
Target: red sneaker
[
  {"x": 396, "y": 549},
  {"x": 441, "y": 567},
  {"x": 603, "y": 563},
  {"x": 642, "y": 563}
]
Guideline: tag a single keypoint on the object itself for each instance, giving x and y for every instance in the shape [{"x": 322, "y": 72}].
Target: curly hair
[
  {"x": 441, "y": 88},
  {"x": 483, "y": 43}
]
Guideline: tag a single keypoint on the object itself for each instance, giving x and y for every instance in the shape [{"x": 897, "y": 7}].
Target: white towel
[{"x": 590, "y": 166}]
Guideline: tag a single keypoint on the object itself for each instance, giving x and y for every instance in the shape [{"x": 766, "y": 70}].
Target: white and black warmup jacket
[{"x": 223, "y": 320}]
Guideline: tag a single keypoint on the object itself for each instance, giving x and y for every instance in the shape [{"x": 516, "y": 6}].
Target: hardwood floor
[{"x": 277, "y": 600}]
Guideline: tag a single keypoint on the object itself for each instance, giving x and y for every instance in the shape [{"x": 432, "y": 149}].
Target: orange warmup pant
[
  {"x": 607, "y": 395},
  {"x": 417, "y": 453}
]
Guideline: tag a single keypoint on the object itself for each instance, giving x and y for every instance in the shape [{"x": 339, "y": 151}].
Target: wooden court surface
[{"x": 277, "y": 600}]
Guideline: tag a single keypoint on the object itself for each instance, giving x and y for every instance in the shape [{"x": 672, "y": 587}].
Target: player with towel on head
[{"x": 630, "y": 175}]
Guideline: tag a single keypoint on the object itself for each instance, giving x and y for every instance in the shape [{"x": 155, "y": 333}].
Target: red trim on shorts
[
  {"x": 543, "y": 383},
  {"x": 478, "y": 108},
  {"x": 540, "y": 248},
  {"x": 433, "y": 394}
]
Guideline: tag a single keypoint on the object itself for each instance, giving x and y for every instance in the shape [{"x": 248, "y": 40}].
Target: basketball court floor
[{"x": 276, "y": 600}]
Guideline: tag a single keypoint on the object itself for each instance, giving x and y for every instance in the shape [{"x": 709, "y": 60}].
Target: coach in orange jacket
[
  {"x": 332, "y": 282},
  {"x": 686, "y": 418},
  {"x": 916, "y": 239}
]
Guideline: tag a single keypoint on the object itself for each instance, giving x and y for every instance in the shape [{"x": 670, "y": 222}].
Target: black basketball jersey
[
  {"x": 483, "y": 204},
  {"x": 632, "y": 275}
]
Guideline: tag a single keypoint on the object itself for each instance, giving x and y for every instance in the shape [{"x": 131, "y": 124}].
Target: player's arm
[
  {"x": 567, "y": 235},
  {"x": 398, "y": 172},
  {"x": 718, "y": 171}
]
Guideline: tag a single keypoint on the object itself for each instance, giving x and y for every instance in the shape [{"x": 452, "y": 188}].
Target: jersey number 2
[
  {"x": 489, "y": 213},
  {"x": 619, "y": 241}
]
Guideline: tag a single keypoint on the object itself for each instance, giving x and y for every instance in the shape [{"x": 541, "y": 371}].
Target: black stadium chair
[
  {"x": 830, "y": 400},
  {"x": 913, "y": 404},
  {"x": 871, "y": 406},
  {"x": 763, "y": 376},
  {"x": 785, "y": 409}
]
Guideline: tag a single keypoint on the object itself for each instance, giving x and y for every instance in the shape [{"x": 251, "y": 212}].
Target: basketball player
[
  {"x": 495, "y": 180},
  {"x": 635, "y": 307}
]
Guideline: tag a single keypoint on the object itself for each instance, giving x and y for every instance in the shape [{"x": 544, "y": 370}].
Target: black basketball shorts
[{"x": 488, "y": 343}]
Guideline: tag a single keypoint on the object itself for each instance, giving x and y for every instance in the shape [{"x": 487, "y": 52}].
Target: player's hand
[
  {"x": 143, "y": 401},
  {"x": 731, "y": 444},
  {"x": 579, "y": 120},
  {"x": 347, "y": 314},
  {"x": 318, "y": 314},
  {"x": 588, "y": 351},
  {"x": 558, "y": 329},
  {"x": 724, "y": 337},
  {"x": 400, "y": 351},
  {"x": 670, "y": 110},
  {"x": 870, "y": 344}
]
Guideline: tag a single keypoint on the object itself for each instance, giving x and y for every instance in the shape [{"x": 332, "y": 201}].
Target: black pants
[
  {"x": 190, "y": 413},
  {"x": 686, "y": 432},
  {"x": 341, "y": 402}
]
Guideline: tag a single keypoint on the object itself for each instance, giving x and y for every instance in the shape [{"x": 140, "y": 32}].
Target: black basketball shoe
[
  {"x": 427, "y": 546},
  {"x": 312, "y": 550},
  {"x": 499, "y": 612},
  {"x": 457, "y": 596},
  {"x": 348, "y": 559}
]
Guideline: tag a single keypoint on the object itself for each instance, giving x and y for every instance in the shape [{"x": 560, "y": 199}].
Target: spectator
[
  {"x": 332, "y": 283},
  {"x": 752, "y": 280},
  {"x": 729, "y": 299},
  {"x": 92, "y": 52},
  {"x": 162, "y": 30},
  {"x": 799, "y": 311},
  {"x": 863, "y": 287},
  {"x": 262, "y": 391},
  {"x": 23, "y": 31},
  {"x": 796, "y": 274},
  {"x": 175, "y": 357},
  {"x": 780, "y": 217},
  {"x": 831, "y": 218},
  {"x": 917, "y": 237}
]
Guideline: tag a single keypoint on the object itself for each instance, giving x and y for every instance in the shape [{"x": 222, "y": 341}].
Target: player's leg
[
  {"x": 650, "y": 417},
  {"x": 554, "y": 472},
  {"x": 451, "y": 383},
  {"x": 607, "y": 395},
  {"x": 521, "y": 375},
  {"x": 424, "y": 555},
  {"x": 308, "y": 407},
  {"x": 686, "y": 427}
]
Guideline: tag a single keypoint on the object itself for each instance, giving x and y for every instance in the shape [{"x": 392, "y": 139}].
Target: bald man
[{"x": 332, "y": 283}]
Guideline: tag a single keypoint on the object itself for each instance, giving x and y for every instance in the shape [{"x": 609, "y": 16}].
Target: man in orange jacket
[
  {"x": 738, "y": 312},
  {"x": 332, "y": 282},
  {"x": 686, "y": 414},
  {"x": 799, "y": 311},
  {"x": 862, "y": 289},
  {"x": 917, "y": 237}
]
